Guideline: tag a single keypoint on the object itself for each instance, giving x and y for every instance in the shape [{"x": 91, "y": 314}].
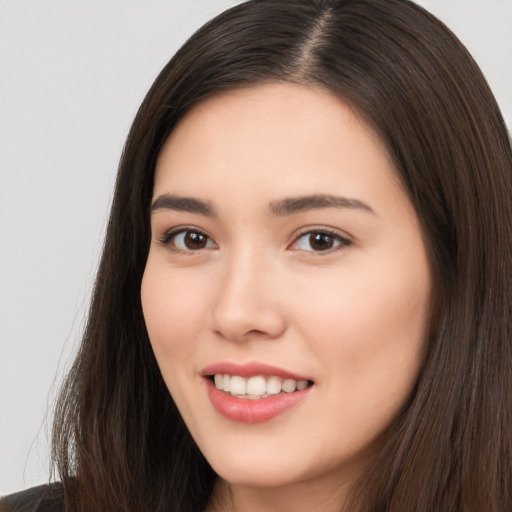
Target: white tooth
[
  {"x": 226, "y": 382},
  {"x": 218, "y": 380},
  {"x": 253, "y": 397},
  {"x": 273, "y": 385},
  {"x": 302, "y": 384},
  {"x": 289, "y": 385},
  {"x": 256, "y": 385},
  {"x": 238, "y": 385}
]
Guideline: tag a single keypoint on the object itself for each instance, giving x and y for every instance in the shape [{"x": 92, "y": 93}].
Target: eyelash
[
  {"x": 170, "y": 236},
  {"x": 341, "y": 241}
]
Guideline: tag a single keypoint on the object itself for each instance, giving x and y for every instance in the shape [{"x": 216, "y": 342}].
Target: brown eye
[
  {"x": 319, "y": 241},
  {"x": 187, "y": 240},
  {"x": 194, "y": 240}
]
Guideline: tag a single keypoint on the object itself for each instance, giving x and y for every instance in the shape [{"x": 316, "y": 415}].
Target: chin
[
  {"x": 256, "y": 472},
  {"x": 258, "y": 477}
]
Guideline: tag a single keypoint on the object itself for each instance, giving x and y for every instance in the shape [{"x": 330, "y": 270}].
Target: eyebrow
[
  {"x": 316, "y": 202},
  {"x": 279, "y": 208},
  {"x": 183, "y": 204}
]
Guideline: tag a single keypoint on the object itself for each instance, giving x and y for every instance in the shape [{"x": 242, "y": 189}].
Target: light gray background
[{"x": 72, "y": 74}]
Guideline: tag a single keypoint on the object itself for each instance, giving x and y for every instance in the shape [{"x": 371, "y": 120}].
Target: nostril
[{"x": 243, "y": 335}]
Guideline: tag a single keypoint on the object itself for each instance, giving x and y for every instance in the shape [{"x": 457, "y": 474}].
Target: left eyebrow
[{"x": 316, "y": 202}]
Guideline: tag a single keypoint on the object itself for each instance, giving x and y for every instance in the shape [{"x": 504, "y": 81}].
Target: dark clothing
[{"x": 43, "y": 498}]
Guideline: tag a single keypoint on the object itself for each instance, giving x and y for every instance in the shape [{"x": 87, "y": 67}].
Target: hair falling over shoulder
[{"x": 119, "y": 442}]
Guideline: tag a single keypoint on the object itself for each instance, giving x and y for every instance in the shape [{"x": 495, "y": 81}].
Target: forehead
[
  {"x": 274, "y": 106},
  {"x": 280, "y": 134}
]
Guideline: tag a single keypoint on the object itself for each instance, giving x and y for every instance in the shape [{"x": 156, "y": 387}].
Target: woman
[{"x": 303, "y": 301}]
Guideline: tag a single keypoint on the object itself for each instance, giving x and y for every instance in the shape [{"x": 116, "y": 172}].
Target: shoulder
[{"x": 43, "y": 498}]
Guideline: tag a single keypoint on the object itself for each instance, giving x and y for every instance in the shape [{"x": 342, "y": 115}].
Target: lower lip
[{"x": 246, "y": 410}]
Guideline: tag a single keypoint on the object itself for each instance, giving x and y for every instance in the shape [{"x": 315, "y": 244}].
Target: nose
[{"x": 246, "y": 306}]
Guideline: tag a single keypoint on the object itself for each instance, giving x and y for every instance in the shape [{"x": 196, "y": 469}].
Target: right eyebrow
[{"x": 183, "y": 204}]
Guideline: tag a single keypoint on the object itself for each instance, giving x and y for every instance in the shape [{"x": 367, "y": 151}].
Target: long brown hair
[{"x": 119, "y": 442}]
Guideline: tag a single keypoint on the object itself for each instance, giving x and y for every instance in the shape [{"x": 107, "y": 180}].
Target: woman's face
[{"x": 285, "y": 253}]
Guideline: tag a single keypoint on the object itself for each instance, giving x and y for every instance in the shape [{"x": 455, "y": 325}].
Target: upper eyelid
[
  {"x": 180, "y": 229},
  {"x": 323, "y": 229}
]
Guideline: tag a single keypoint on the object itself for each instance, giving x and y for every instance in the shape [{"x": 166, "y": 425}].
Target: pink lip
[
  {"x": 245, "y": 410},
  {"x": 250, "y": 369}
]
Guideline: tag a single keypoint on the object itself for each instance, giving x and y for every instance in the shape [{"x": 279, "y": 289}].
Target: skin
[{"x": 352, "y": 318}]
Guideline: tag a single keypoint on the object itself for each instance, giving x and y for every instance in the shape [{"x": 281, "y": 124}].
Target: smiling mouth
[{"x": 257, "y": 387}]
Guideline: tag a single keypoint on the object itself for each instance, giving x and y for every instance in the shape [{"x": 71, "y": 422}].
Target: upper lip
[{"x": 250, "y": 369}]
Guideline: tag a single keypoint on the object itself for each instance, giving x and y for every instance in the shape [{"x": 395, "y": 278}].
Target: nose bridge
[{"x": 246, "y": 304}]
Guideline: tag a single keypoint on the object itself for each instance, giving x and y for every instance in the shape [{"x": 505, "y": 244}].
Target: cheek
[
  {"x": 174, "y": 314},
  {"x": 370, "y": 342},
  {"x": 370, "y": 324}
]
